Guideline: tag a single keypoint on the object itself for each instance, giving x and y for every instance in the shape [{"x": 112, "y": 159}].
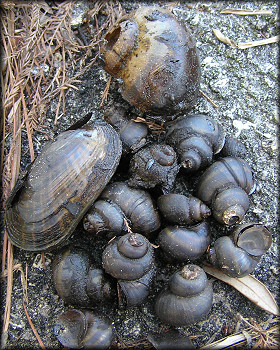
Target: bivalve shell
[{"x": 64, "y": 181}]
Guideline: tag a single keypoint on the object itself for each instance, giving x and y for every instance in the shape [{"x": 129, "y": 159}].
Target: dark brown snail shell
[
  {"x": 64, "y": 180},
  {"x": 225, "y": 187},
  {"x": 133, "y": 134},
  {"x": 187, "y": 300},
  {"x": 82, "y": 329},
  {"x": 155, "y": 60},
  {"x": 169, "y": 340},
  {"x": 152, "y": 166},
  {"x": 195, "y": 138},
  {"x": 233, "y": 148},
  {"x": 130, "y": 259},
  {"x": 77, "y": 280},
  {"x": 120, "y": 204},
  {"x": 237, "y": 255},
  {"x": 183, "y": 244},
  {"x": 182, "y": 210}
]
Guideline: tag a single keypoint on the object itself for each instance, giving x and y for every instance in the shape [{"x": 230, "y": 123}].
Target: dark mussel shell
[{"x": 65, "y": 179}]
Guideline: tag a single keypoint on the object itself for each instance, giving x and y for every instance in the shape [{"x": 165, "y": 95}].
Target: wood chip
[
  {"x": 243, "y": 12},
  {"x": 250, "y": 287}
]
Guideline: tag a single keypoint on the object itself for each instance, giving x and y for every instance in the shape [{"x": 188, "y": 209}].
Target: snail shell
[
  {"x": 65, "y": 179},
  {"x": 133, "y": 134},
  {"x": 130, "y": 259},
  {"x": 233, "y": 148},
  {"x": 172, "y": 339},
  {"x": 77, "y": 280},
  {"x": 119, "y": 204},
  {"x": 182, "y": 210},
  {"x": 155, "y": 60},
  {"x": 195, "y": 138},
  {"x": 77, "y": 329},
  {"x": 152, "y": 166},
  {"x": 183, "y": 244},
  {"x": 187, "y": 300},
  {"x": 225, "y": 187},
  {"x": 237, "y": 255}
]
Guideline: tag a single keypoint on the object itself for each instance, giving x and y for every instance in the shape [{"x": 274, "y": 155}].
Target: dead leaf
[
  {"x": 220, "y": 36},
  {"x": 246, "y": 12},
  {"x": 250, "y": 287}
]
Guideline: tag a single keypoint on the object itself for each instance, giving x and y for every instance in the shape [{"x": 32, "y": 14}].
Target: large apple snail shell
[
  {"x": 154, "y": 58},
  {"x": 63, "y": 182}
]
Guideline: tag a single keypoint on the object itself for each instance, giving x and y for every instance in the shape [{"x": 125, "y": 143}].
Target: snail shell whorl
[
  {"x": 237, "y": 255},
  {"x": 152, "y": 166},
  {"x": 128, "y": 257},
  {"x": 137, "y": 205},
  {"x": 77, "y": 329},
  {"x": 180, "y": 305},
  {"x": 183, "y": 244},
  {"x": 196, "y": 138},
  {"x": 77, "y": 280},
  {"x": 132, "y": 134},
  {"x": 225, "y": 187},
  {"x": 182, "y": 210}
]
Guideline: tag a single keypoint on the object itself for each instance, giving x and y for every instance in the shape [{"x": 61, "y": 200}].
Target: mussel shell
[
  {"x": 65, "y": 179},
  {"x": 255, "y": 238}
]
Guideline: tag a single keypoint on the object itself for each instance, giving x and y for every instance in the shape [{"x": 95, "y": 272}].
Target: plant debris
[
  {"x": 249, "y": 286},
  {"x": 220, "y": 36}
]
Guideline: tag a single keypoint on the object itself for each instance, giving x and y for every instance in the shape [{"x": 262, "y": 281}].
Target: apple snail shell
[{"x": 155, "y": 60}]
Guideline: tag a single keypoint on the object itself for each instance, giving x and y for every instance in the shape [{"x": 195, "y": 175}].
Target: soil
[{"x": 243, "y": 85}]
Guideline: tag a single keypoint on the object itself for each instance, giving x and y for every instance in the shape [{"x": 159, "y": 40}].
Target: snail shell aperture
[
  {"x": 195, "y": 138},
  {"x": 237, "y": 255},
  {"x": 65, "y": 179},
  {"x": 78, "y": 329},
  {"x": 77, "y": 280},
  {"x": 155, "y": 59},
  {"x": 120, "y": 204},
  {"x": 225, "y": 187}
]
